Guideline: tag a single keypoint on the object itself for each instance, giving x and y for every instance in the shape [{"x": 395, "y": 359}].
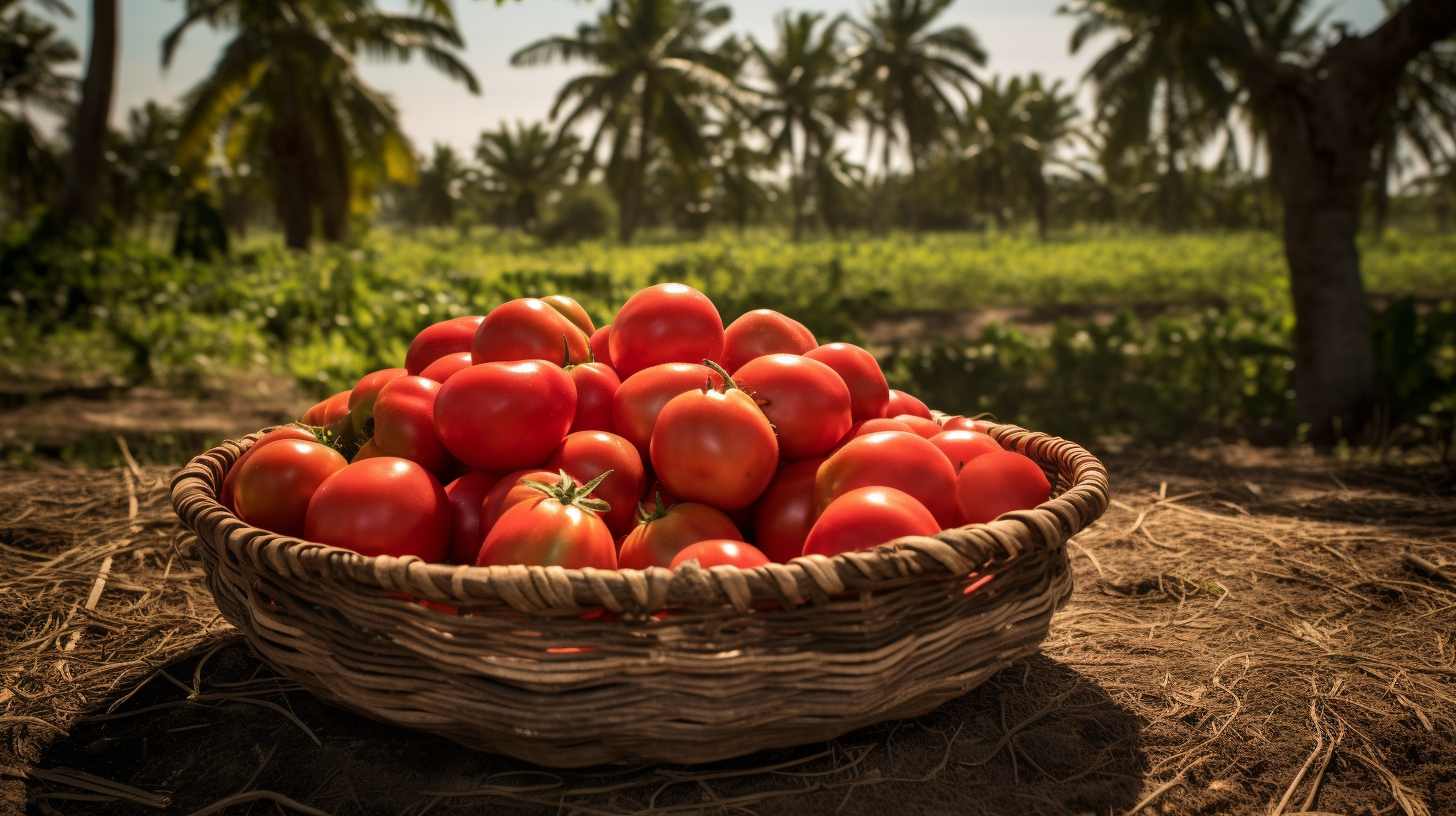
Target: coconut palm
[
  {"x": 1421, "y": 124},
  {"x": 527, "y": 165},
  {"x": 31, "y": 53},
  {"x": 286, "y": 99}
]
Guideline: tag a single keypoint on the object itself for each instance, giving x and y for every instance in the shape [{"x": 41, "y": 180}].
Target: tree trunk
[
  {"x": 295, "y": 173},
  {"x": 82, "y": 195},
  {"x": 796, "y": 185},
  {"x": 637, "y": 173},
  {"x": 1382, "y": 185},
  {"x": 335, "y": 193},
  {"x": 1172, "y": 176}
]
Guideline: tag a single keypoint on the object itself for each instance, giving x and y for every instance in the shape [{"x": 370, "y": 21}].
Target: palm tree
[
  {"x": 30, "y": 54},
  {"x": 144, "y": 178},
  {"x": 84, "y": 167},
  {"x": 286, "y": 99},
  {"x": 527, "y": 166},
  {"x": 652, "y": 68},
  {"x": 1422, "y": 120},
  {"x": 738, "y": 191}
]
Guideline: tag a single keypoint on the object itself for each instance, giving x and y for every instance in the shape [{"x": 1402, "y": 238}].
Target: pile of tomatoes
[{"x": 530, "y": 436}]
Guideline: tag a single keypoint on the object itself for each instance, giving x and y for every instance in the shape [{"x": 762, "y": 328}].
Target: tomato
[
  {"x": 714, "y": 447},
  {"x": 404, "y": 423},
  {"x": 510, "y": 491},
  {"x": 891, "y": 459},
  {"x": 596, "y": 386},
  {"x": 227, "y": 495},
  {"x": 505, "y": 416},
  {"x": 572, "y": 311},
  {"x": 557, "y": 528},
  {"x": 867, "y": 517},
  {"x": 666, "y": 323},
  {"x": 864, "y": 427},
  {"x": 443, "y": 368},
  {"x": 361, "y": 402},
  {"x": 805, "y": 400},
  {"x": 762, "y": 332},
  {"x": 919, "y": 425},
  {"x": 786, "y": 511},
  {"x": 960, "y": 423},
  {"x": 527, "y": 329},
  {"x": 903, "y": 403},
  {"x": 274, "y": 487},
  {"x": 599, "y": 347},
  {"x": 589, "y": 453},
  {"x": 720, "y": 552},
  {"x": 961, "y": 447},
  {"x": 641, "y": 397},
  {"x": 466, "y": 495},
  {"x": 999, "y": 482},
  {"x": 383, "y": 506},
  {"x": 656, "y": 495},
  {"x": 657, "y": 540},
  {"x": 446, "y": 337},
  {"x": 368, "y": 450},
  {"x": 327, "y": 412},
  {"x": 869, "y": 394}
]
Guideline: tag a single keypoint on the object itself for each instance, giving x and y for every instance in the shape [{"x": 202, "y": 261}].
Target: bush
[{"x": 583, "y": 214}]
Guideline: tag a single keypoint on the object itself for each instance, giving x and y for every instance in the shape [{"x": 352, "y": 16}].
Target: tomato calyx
[{"x": 572, "y": 494}]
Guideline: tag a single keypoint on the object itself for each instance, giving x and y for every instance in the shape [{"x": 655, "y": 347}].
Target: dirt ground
[{"x": 1251, "y": 632}]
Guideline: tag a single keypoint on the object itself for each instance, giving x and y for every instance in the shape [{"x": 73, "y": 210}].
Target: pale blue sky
[{"x": 1021, "y": 36}]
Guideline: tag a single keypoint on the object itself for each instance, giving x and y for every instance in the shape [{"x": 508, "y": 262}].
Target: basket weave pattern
[{"x": 686, "y": 666}]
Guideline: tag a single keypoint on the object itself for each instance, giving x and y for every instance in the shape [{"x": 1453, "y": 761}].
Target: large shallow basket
[{"x": 578, "y": 667}]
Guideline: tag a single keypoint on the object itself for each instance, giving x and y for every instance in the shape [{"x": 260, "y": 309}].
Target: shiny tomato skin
[
  {"x": 365, "y": 392},
  {"x": 895, "y": 459},
  {"x": 714, "y": 447},
  {"x": 762, "y": 332},
  {"x": 1000, "y": 482},
  {"x": 786, "y": 511},
  {"x": 869, "y": 394},
  {"x": 383, "y": 506},
  {"x": 960, "y": 423},
  {"x": 588, "y": 454},
  {"x": 227, "y": 495},
  {"x": 641, "y": 398},
  {"x": 666, "y": 323},
  {"x": 806, "y": 401},
  {"x": 596, "y": 388},
  {"x": 572, "y": 311},
  {"x": 527, "y": 329},
  {"x": 903, "y": 403},
  {"x": 601, "y": 353},
  {"x": 328, "y": 411},
  {"x": 865, "y": 518},
  {"x": 864, "y": 427},
  {"x": 721, "y": 552},
  {"x": 368, "y": 450},
  {"x": 925, "y": 428},
  {"x": 447, "y": 366},
  {"x": 542, "y": 532},
  {"x": 502, "y": 417},
  {"x": 655, "y": 543},
  {"x": 509, "y": 492},
  {"x": 274, "y": 487},
  {"x": 446, "y": 337},
  {"x": 404, "y": 424},
  {"x": 961, "y": 447},
  {"x": 467, "y": 495}
]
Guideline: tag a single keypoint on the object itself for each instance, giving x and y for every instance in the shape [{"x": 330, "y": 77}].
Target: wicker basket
[{"x": 691, "y": 666}]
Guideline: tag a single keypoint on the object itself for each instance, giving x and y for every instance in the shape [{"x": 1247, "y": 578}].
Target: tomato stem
[{"x": 728, "y": 383}]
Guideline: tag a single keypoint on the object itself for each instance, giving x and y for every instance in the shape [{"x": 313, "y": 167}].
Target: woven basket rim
[{"x": 948, "y": 555}]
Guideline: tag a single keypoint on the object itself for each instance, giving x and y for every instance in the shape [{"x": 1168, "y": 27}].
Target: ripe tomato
[
  {"x": 668, "y": 531},
  {"x": 864, "y": 427},
  {"x": 999, "y": 482},
  {"x": 641, "y": 397},
  {"x": 762, "y": 332},
  {"x": 721, "y": 552},
  {"x": 666, "y": 323},
  {"x": 805, "y": 400},
  {"x": 891, "y": 459},
  {"x": 903, "y": 403},
  {"x": 960, "y": 423},
  {"x": 368, "y": 450},
  {"x": 446, "y": 337},
  {"x": 865, "y": 518},
  {"x": 921, "y": 426},
  {"x": 869, "y": 394},
  {"x": 572, "y": 311},
  {"x": 443, "y": 368},
  {"x": 596, "y": 386},
  {"x": 527, "y": 329},
  {"x": 714, "y": 447},
  {"x": 383, "y": 506},
  {"x": 275, "y": 485},
  {"x": 961, "y": 447},
  {"x": 361, "y": 401},
  {"x": 502, "y": 417},
  {"x": 786, "y": 511},
  {"x": 510, "y": 491},
  {"x": 557, "y": 528},
  {"x": 466, "y": 495},
  {"x": 601, "y": 353},
  {"x": 404, "y": 424},
  {"x": 327, "y": 412},
  {"x": 589, "y": 453},
  {"x": 654, "y": 496},
  {"x": 227, "y": 496}
]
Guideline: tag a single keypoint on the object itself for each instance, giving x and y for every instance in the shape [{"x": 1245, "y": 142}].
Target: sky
[{"x": 1021, "y": 36}]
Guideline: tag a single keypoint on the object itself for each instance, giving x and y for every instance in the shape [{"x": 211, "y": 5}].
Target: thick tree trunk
[
  {"x": 1173, "y": 197},
  {"x": 1382, "y": 186},
  {"x": 637, "y": 173},
  {"x": 82, "y": 195},
  {"x": 295, "y": 175}
]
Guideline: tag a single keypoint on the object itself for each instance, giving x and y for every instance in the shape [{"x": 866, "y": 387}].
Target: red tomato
[
  {"x": 368, "y": 450},
  {"x": 805, "y": 400},
  {"x": 864, "y": 427},
  {"x": 714, "y": 447},
  {"x": 960, "y": 423},
  {"x": 527, "y": 329},
  {"x": 865, "y": 518},
  {"x": 891, "y": 459},
  {"x": 961, "y": 447},
  {"x": 599, "y": 348},
  {"x": 443, "y": 368},
  {"x": 903, "y": 403},
  {"x": 721, "y": 552},
  {"x": 361, "y": 399},
  {"x": 762, "y": 332},
  {"x": 572, "y": 311},
  {"x": 327, "y": 412},
  {"x": 869, "y": 394},
  {"x": 591, "y": 453},
  {"x": 667, "y": 532},
  {"x": 505, "y": 416},
  {"x": 666, "y": 323},
  {"x": 404, "y": 423},
  {"x": 596, "y": 386},
  {"x": 511, "y": 491},
  {"x": 557, "y": 528},
  {"x": 227, "y": 496},
  {"x": 274, "y": 486},
  {"x": 649, "y": 503},
  {"x": 786, "y": 512},
  {"x": 466, "y": 495},
  {"x": 641, "y": 397},
  {"x": 999, "y": 482},
  {"x": 920, "y": 425},
  {"x": 384, "y": 506},
  {"x": 446, "y": 337}
]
